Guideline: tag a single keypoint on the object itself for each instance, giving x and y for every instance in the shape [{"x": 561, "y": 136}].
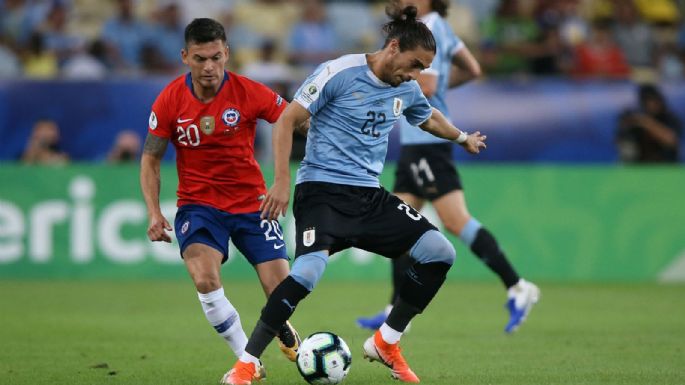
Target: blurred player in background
[
  {"x": 426, "y": 171},
  {"x": 209, "y": 115},
  {"x": 354, "y": 101}
]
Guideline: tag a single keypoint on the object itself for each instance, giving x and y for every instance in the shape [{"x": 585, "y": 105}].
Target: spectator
[
  {"x": 600, "y": 56},
  {"x": 669, "y": 62},
  {"x": 634, "y": 36},
  {"x": 510, "y": 40},
  {"x": 126, "y": 148},
  {"x": 9, "y": 62},
  {"x": 267, "y": 68},
  {"x": 167, "y": 34},
  {"x": 38, "y": 62},
  {"x": 659, "y": 11},
  {"x": 125, "y": 36},
  {"x": 312, "y": 39},
  {"x": 87, "y": 63},
  {"x": 651, "y": 133},
  {"x": 573, "y": 27},
  {"x": 43, "y": 146},
  {"x": 13, "y": 20},
  {"x": 57, "y": 39}
]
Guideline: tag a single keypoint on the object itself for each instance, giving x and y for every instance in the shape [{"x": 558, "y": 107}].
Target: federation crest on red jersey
[{"x": 231, "y": 117}]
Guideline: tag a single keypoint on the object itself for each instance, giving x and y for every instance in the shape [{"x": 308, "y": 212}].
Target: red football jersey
[{"x": 215, "y": 141}]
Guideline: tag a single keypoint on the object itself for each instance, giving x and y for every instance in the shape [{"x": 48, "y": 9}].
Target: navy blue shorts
[{"x": 259, "y": 240}]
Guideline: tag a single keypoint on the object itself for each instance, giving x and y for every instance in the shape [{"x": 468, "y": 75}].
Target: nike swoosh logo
[
  {"x": 276, "y": 247},
  {"x": 179, "y": 120}
]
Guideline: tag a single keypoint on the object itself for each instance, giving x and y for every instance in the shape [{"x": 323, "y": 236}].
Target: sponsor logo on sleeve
[
  {"x": 152, "y": 121},
  {"x": 279, "y": 100}
]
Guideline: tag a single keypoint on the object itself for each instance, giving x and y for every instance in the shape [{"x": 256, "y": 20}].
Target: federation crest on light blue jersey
[
  {"x": 397, "y": 106},
  {"x": 231, "y": 117}
]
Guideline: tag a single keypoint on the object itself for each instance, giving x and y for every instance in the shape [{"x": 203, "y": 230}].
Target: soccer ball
[{"x": 323, "y": 358}]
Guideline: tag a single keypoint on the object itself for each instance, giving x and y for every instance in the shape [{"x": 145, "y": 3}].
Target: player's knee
[
  {"x": 433, "y": 247},
  {"x": 207, "y": 283},
  {"x": 456, "y": 224},
  {"x": 308, "y": 269}
]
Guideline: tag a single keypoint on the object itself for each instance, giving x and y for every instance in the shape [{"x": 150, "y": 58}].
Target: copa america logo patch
[
  {"x": 231, "y": 117},
  {"x": 184, "y": 228},
  {"x": 152, "y": 121}
]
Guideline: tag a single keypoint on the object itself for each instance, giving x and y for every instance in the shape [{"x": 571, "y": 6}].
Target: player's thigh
[
  {"x": 259, "y": 240},
  {"x": 197, "y": 224},
  {"x": 320, "y": 221},
  {"x": 272, "y": 273},
  {"x": 452, "y": 210},
  {"x": 393, "y": 229}
]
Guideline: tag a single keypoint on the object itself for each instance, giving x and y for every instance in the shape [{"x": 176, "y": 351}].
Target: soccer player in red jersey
[{"x": 209, "y": 115}]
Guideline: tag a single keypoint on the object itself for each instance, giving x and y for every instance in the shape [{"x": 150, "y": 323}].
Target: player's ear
[
  {"x": 227, "y": 51},
  {"x": 394, "y": 46},
  {"x": 184, "y": 56}
]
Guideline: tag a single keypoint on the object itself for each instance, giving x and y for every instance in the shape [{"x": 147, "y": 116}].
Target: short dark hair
[
  {"x": 408, "y": 31},
  {"x": 650, "y": 91},
  {"x": 204, "y": 30},
  {"x": 440, "y": 6}
]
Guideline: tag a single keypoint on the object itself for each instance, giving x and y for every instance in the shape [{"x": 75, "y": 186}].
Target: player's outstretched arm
[
  {"x": 150, "y": 182},
  {"x": 439, "y": 126},
  {"x": 278, "y": 196}
]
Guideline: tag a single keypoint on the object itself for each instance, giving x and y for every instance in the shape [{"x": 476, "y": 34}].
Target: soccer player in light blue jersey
[
  {"x": 426, "y": 171},
  {"x": 353, "y": 103}
]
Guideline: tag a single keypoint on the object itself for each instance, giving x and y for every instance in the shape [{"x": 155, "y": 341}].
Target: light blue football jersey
[
  {"x": 352, "y": 113},
  {"x": 447, "y": 44}
]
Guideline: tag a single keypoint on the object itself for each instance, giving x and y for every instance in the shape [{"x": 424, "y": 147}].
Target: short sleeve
[
  {"x": 159, "y": 123},
  {"x": 455, "y": 43},
  {"x": 319, "y": 88},
  {"x": 271, "y": 104},
  {"x": 419, "y": 110}
]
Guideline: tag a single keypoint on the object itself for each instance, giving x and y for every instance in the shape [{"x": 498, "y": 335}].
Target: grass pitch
[{"x": 155, "y": 333}]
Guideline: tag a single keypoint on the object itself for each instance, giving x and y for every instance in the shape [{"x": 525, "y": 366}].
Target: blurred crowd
[
  {"x": 279, "y": 42},
  {"x": 274, "y": 40}
]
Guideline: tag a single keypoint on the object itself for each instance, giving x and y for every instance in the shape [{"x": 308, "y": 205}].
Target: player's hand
[
  {"x": 475, "y": 142},
  {"x": 157, "y": 229},
  {"x": 276, "y": 201}
]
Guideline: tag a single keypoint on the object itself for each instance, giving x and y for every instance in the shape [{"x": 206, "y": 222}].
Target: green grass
[{"x": 155, "y": 333}]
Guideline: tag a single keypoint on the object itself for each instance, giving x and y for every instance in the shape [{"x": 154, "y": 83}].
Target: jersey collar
[
  {"x": 430, "y": 18},
  {"x": 189, "y": 83}
]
